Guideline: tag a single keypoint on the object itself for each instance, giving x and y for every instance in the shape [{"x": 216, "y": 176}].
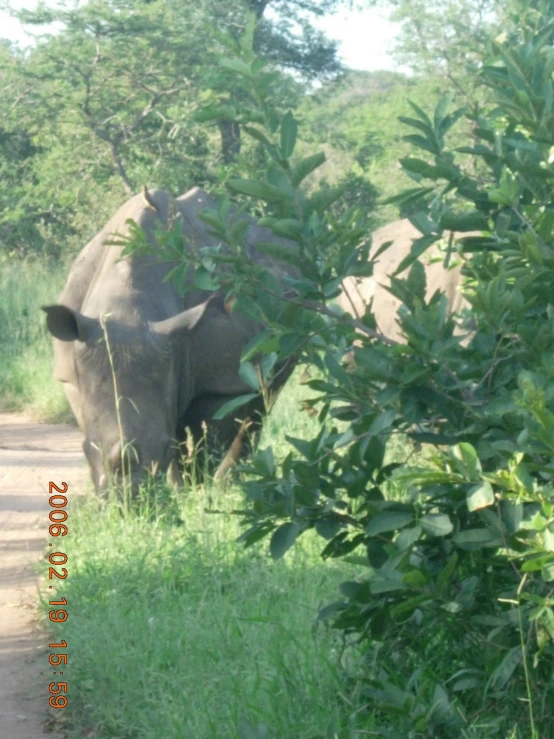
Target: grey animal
[
  {"x": 175, "y": 360},
  {"x": 356, "y": 294}
]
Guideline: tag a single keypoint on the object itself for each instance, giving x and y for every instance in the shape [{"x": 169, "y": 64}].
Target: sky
[{"x": 365, "y": 37}]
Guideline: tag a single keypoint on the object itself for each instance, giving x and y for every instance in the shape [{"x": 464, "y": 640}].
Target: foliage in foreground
[{"x": 464, "y": 564}]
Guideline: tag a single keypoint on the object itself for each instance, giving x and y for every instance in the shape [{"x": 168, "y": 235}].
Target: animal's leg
[
  {"x": 236, "y": 450},
  {"x": 228, "y": 434}
]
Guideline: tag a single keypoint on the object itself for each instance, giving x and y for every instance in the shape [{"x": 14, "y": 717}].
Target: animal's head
[{"x": 128, "y": 399}]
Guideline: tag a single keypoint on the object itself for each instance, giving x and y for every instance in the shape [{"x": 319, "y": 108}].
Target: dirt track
[{"x": 31, "y": 455}]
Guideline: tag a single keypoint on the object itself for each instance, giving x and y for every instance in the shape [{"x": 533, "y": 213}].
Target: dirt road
[{"x": 31, "y": 455}]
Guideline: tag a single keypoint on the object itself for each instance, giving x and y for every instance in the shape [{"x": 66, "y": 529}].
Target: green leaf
[
  {"x": 480, "y": 496},
  {"x": 246, "y": 40},
  {"x": 305, "y": 167},
  {"x": 471, "y": 539},
  {"x": 383, "y": 421},
  {"x": 506, "y": 668},
  {"x": 436, "y": 524},
  {"x": 409, "y": 605},
  {"x": 388, "y": 521},
  {"x": 289, "y": 228},
  {"x": 537, "y": 563},
  {"x": 440, "y": 111},
  {"x": 548, "y": 538},
  {"x": 414, "y": 123},
  {"x": 376, "y": 553},
  {"x": 408, "y": 196},
  {"x": 512, "y": 515},
  {"x": 407, "y": 537},
  {"x": 255, "y": 533},
  {"x": 281, "y": 252},
  {"x": 473, "y": 221},
  {"x": 258, "y": 135},
  {"x": 419, "y": 247},
  {"x": 212, "y": 218},
  {"x": 283, "y": 539},
  {"x": 233, "y": 404},
  {"x": 415, "y": 579},
  {"x": 256, "y": 343},
  {"x": 248, "y": 373},
  {"x": 290, "y": 342},
  {"x": 322, "y": 199},
  {"x": 258, "y": 189},
  {"x": 341, "y": 545},
  {"x": 328, "y": 527},
  {"x": 417, "y": 280},
  {"x": 289, "y": 131},
  {"x": 205, "y": 280},
  {"x": 270, "y": 359},
  {"x": 423, "y": 143},
  {"x": 229, "y": 42},
  {"x": 451, "y": 119},
  {"x": 421, "y": 113},
  {"x": 237, "y": 65},
  {"x": 388, "y": 583},
  {"x": 418, "y": 166},
  {"x": 250, "y": 308},
  {"x": 238, "y": 232},
  {"x": 445, "y": 574},
  {"x": 466, "y": 460}
]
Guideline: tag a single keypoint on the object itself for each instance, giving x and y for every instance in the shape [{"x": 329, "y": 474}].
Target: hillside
[{"x": 355, "y": 120}]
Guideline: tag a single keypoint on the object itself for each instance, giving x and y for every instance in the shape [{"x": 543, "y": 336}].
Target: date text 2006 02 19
[{"x": 57, "y": 517}]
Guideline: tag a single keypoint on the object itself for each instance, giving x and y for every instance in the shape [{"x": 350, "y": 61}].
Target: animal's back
[{"x": 357, "y": 294}]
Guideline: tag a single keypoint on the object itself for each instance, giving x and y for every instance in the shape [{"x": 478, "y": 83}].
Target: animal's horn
[
  {"x": 148, "y": 199},
  {"x": 186, "y": 320}
]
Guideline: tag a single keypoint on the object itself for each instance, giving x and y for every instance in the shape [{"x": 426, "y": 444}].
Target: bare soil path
[{"x": 31, "y": 455}]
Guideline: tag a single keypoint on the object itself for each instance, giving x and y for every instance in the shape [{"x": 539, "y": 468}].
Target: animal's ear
[
  {"x": 66, "y": 324},
  {"x": 187, "y": 320}
]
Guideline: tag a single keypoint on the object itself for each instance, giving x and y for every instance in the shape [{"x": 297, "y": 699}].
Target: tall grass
[
  {"x": 175, "y": 631},
  {"x": 25, "y": 346}
]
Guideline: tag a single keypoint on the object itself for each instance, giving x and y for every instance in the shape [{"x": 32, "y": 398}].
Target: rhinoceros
[
  {"x": 170, "y": 361},
  {"x": 356, "y": 294}
]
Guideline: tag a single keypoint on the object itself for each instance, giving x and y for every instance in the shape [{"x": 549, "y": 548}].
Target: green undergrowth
[
  {"x": 26, "y": 381},
  {"x": 176, "y": 631}
]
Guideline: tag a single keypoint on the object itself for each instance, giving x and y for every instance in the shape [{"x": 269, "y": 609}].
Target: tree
[
  {"x": 445, "y": 37},
  {"x": 108, "y": 102},
  {"x": 307, "y": 54},
  {"x": 17, "y": 152}
]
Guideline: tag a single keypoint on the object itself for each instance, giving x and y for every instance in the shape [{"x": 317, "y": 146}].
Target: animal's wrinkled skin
[
  {"x": 356, "y": 294},
  {"x": 175, "y": 360}
]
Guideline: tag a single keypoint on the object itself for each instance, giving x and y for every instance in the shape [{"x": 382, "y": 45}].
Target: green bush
[{"x": 455, "y": 612}]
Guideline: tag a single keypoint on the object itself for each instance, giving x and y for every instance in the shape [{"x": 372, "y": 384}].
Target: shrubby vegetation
[{"x": 463, "y": 564}]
